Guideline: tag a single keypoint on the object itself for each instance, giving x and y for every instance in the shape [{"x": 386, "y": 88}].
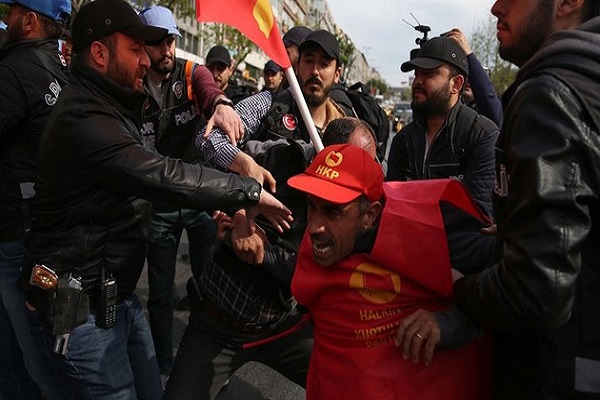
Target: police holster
[{"x": 63, "y": 308}]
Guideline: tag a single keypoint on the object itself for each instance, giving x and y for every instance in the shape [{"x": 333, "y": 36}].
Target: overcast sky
[{"x": 377, "y": 29}]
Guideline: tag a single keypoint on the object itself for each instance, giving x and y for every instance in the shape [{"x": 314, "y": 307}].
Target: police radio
[{"x": 106, "y": 313}]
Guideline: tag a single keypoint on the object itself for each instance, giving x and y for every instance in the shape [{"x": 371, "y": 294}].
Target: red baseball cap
[{"x": 340, "y": 173}]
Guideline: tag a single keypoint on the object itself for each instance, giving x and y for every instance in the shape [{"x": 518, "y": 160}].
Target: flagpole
[{"x": 304, "y": 111}]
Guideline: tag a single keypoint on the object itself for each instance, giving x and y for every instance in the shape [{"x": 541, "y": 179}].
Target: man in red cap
[{"x": 372, "y": 255}]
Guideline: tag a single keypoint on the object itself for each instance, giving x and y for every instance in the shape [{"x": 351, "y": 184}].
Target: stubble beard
[
  {"x": 316, "y": 100},
  {"x": 15, "y": 33},
  {"x": 437, "y": 103},
  {"x": 119, "y": 73},
  {"x": 164, "y": 70},
  {"x": 530, "y": 36}
]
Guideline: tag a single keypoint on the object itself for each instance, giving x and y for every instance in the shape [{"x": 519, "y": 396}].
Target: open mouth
[{"x": 321, "y": 247}]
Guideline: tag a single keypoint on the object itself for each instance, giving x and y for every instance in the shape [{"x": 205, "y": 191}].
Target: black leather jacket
[
  {"x": 544, "y": 295},
  {"x": 32, "y": 76},
  {"x": 96, "y": 180},
  {"x": 463, "y": 150}
]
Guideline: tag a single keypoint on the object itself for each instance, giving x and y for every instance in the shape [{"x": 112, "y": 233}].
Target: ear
[
  {"x": 457, "y": 83},
  {"x": 566, "y": 8},
  {"x": 338, "y": 73},
  {"x": 30, "y": 22},
  {"x": 371, "y": 215},
  {"x": 100, "y": 55}
]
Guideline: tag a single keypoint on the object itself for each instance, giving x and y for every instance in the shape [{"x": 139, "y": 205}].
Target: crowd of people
[{"x": 467, "y": 271}]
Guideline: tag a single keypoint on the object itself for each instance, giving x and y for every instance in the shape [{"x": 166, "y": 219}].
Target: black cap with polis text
[
  {"x": 323, "y": 39},
  {"x": 102, "y": 18},
  {"x": 438, "y": 51}
]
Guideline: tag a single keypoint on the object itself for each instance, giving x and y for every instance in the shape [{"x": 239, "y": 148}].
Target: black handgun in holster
[{"x": 61, "y": 305}]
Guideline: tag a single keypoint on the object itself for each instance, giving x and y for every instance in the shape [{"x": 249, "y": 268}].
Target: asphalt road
[{"x": 253, "y": 381}]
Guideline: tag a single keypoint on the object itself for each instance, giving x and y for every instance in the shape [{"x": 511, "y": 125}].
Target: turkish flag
[
  {"x": 254, "y": 18},
  {"x": 357, "y": 305}
]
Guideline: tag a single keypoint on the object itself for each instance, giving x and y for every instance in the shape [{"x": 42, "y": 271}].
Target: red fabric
[
  {"x": 254, "y": 18},
  {"x": 357, "y": 304}
]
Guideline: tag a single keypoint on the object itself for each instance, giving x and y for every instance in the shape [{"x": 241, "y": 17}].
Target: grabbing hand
[
  {"x": 245, "y": 165},
  {"x": 273, "y": 210},
  {"x": 248, "y": 241},
  {"x": 228, "y": 121},
  {"x": 223, "y": 222},
  {"x": 420, "y": 330}
]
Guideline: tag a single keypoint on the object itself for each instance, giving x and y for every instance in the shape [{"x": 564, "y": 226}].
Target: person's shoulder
[
  {"x": 338, "y": 95},
  {"x": 470, "y": 125},
  {"x": 31, "y": 53}
]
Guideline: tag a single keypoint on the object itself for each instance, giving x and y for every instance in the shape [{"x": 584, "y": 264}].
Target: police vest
[
  {"x": 171, "y": 129},
  {"x": 283, "y": 121}
]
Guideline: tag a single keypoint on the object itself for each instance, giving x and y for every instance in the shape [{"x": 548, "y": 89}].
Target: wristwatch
[{"x": 225, "y": 101}]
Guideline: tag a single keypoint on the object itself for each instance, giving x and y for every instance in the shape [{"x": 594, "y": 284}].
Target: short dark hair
[
  {"x": 339, "y": 130},
  {"x": 52, "y": 29},
  {"x": 363, "y": 203},
  {"x": 110, "y": 42}
]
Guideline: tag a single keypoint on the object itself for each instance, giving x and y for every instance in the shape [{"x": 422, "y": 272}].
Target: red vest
[{"x": 357, "y": 304}]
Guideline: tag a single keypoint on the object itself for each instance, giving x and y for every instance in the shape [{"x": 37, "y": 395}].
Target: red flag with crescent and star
[
  {"x": 356, "y": 306},
  {"x": 254, "y": 18}
]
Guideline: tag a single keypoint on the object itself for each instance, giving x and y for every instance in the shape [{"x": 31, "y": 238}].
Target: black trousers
[{"x": 210, "y": 352}]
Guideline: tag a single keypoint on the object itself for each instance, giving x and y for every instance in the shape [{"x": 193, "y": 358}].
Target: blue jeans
[
  {"x": 21, "y": 352},
  {"x": 113, "y": 364},
  {"x": 165, "y": 234}
]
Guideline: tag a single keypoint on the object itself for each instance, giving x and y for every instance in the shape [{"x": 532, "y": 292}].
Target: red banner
[
  {"x": 254, "y": 18},
  {"x": 357, "y": 304}
]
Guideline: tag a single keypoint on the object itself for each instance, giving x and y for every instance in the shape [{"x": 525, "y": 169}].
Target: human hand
[
  {"x": 246, "y": 240},
  {"x": 273, "y": 210},
  {"x": 461, "y": 39},
  {"x": 420, "y": 330},
  {"x": 489, "y": 230},
  {"x": 228, "y": 121},
  {"x": 245, "y": 165},
  {"x": 223, "y": 222}
]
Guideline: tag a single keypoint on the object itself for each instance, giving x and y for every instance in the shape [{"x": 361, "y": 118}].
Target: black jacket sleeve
[
  {"x": 398, "y": 159},
  {"x": 550, "y": 159},
  {"x": 116, "y": 159}
]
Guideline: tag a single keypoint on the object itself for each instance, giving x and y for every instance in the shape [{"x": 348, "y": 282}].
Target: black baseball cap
[
  {"x": 218, "y": 54},
  {"x": 296, "y": 35},
  {"x": 438, "y": 51},
  {"x": 272, "y": 66},
  {"x": 102, "y": 18},
  {"x": 323, "y": 39}
]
